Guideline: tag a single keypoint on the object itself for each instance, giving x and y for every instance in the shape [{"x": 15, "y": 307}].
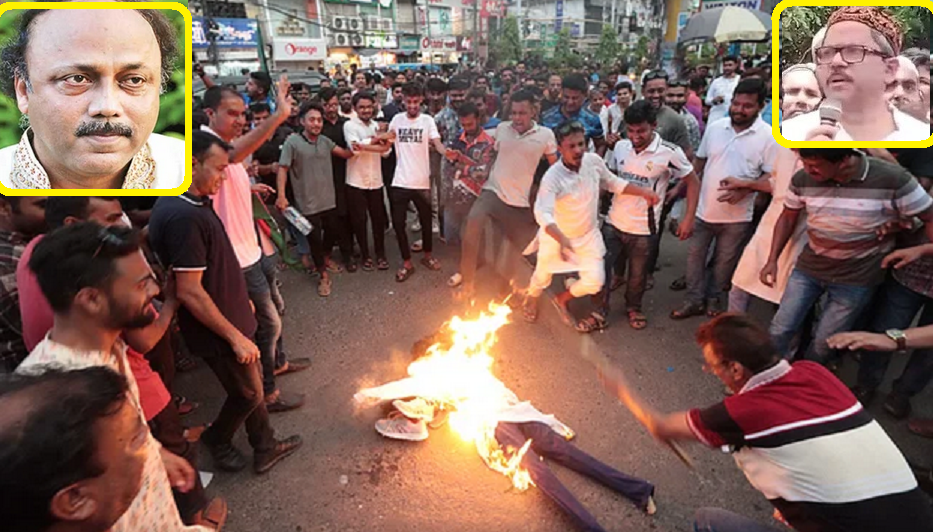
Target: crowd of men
[{"x": 104, "y": 300}]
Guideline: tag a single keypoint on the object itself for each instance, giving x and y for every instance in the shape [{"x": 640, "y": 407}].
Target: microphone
[{"x": 830, "y": 113}]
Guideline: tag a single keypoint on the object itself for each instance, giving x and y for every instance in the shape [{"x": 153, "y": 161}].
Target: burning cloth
[{"x": 454, "y": 375}]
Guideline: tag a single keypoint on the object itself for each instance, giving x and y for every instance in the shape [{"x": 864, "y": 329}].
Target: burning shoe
[
  {"x": 416, "y": 409},
  {"x": 399, "y": 427}
]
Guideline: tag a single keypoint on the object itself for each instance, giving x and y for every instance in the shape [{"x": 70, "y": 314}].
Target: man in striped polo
[
  {"x": 801, "y": 438},
  {"x": 849, "y": 198}
]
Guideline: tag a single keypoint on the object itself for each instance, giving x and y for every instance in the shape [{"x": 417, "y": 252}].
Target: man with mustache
[
  {"x": 800, "y": 91},
  {"x": 856, "y": 61},
  {"x": 90, "y": 91},
  {"x": 904, "y": 93}
]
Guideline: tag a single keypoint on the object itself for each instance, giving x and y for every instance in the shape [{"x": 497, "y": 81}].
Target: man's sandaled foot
[
  {"x": 688, "y": 310},
  {"x": 382, "y": 264},
  {"x": 334, "y": 267},
  {"x": 324, "y": 287},
  {"x": 431, "y": 263},
  {"x": 368, "y": 265},
  {"x": 592, "y": 323},
  {"x": 404, "y": 273},
  {"x": 637, "y": 320},
  {"x": 213, "y": 516},
  {"x": 714, "y": 308},
  {"x": 530, "y": 309}
]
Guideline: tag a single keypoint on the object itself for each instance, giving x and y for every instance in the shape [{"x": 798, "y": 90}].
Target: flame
[{"x": 457, "y": 374}]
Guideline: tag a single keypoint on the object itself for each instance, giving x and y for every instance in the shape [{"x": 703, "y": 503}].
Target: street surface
[{"x": 348, "y": 478}]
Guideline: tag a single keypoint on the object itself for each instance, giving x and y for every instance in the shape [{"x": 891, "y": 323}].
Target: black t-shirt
[
  {"x": 917, "y": 161},
  {"x": 335, "y": 133},
  {"x": 269, "y": 153},
  {"x": 187, "y": 235}
]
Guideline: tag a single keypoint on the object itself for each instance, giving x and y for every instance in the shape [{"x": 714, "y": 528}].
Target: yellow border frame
[
  {"x": 776, "y": 76},
  {"x": 174, "y": 6}
]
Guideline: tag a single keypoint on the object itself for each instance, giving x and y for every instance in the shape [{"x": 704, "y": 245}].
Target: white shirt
[
  {"x": 167, "y": 152},
  {"x": 906, "y": 127},
  {"x": 746, "y": 155},
  {"x": 611, "y": 119},
  {"x": 721, "y": 86},
  {"x": 652, "y": 168},
  {"x": 412, "y": 148},
  {"x": 514, "y": 170},
  {"x": 365, "y": 169}
]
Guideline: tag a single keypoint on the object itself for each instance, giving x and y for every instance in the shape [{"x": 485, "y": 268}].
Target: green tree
[
  {"x": 509, "y": 44},
  {"x": 799, "y": 24},
  {"x": 609, "y": 50},
  {"x": 564, "y": 57}
]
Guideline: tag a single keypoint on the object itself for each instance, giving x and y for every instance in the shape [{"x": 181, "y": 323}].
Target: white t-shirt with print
[{"x": 413, "y": 138}]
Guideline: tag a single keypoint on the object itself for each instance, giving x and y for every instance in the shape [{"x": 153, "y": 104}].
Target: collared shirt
[
  {"x": 804, "y": 441},
  {"x": 693, "y": 129},
  {"x": 745, "y": 155},
  {"x": 364, "y": 171},
  {"x": 234, "y": 205},
  {"x": 12, "y": 348},
  {"x": 448, "y": 124},
  {"x": 464, "y": 181},
  {"x": 554, "y": 117},
  {"x": 611, "y": 119},
  {"x": 654, "y": 168},
  {"x": 310, "y": 172},
  {"x": 518, "y": 154},
  {"x": 721, "y": 86},
  {"x": 159, "y": 163},
  {"x": 843, "y": 219},
  {"x": 153, "y": 507},
  {"x": 186, "y": 234},
  {"x": 906, "y": 127}
]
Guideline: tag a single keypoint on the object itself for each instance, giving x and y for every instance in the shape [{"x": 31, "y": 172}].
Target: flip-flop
[
  {"x": 637, "y": 320},
  {"x": 368, "y": 265},
  {"x": 431, "y": 263},
  {"x": 382, "y": 264},
  {"x": 592, "y": 323}
]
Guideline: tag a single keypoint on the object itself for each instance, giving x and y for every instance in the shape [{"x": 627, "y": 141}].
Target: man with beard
[
  {"x": 21, "y": 218},
  {"x": 569, "y": 240},
  {"x": 492, "y": 101},
  {"x": 572, "y": 108},
  {"x": 478, "y": 98},
  {"x": 216, "y": 320},
  {"x": 258, "y": 87},
  {"x": 552, "y": 96},
  {"x": 345, "y": 99},
  {"x": 800, "y": 91},
  {"x": 676, "y": 99},
  {"x": 396, "y": 105},
  {"x": 91, "y": 114},
  {"x": 741, "y": 148},
  {"x": 333, "y": 129},
  {"x": 719, "y": 94},
  {"x": 99, "y": 285},
  {"x": 506, "y": 81},
  {"x": 904, "y": 92},
  {"x": 856, "y": 61}
]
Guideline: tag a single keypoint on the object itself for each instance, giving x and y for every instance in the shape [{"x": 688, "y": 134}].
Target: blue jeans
[
  {"x": 636, "y": 250},
  {"x": 269, "y": 323},
  {"x": 844, "y": 303},
  {"x": 302, "y": 242},
  {"x": 726, "y": 254},
  {"x": 719, "y": 520},
  {"x": 897, "y": 307}
]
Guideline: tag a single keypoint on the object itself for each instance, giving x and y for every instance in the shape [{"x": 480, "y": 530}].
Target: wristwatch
[{"x": 898, "y": 336}]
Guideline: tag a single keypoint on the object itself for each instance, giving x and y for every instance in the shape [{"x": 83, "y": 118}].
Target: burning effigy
[{"x": 450, "y": 381}]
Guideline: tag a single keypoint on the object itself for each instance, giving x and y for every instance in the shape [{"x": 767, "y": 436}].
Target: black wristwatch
[{"x": 898, "y": 336}]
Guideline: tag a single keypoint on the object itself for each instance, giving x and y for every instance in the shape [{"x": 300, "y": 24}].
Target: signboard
[
  {"x": 682, "y": 18},
  {"x": 559, "y": 20},
  {"x": 747, "y": 4},
  {"x": 380, "y": 40},
  {"x": 285, "y": 49},
  {"x": 409, "y": 43},
  {"x": 439, "y": 44},
  {"x": 383, "y": 3},
  {"x": 229, "y": 32}
]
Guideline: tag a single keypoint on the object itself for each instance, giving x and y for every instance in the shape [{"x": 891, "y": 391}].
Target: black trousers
[
  {"x": 545, "y": 443},
  {"x": 166, "y": 427},
  {"x": 367, "y": 205},
  {"x": 399, "y": 198},
  {"x": 328, "y": 230}
]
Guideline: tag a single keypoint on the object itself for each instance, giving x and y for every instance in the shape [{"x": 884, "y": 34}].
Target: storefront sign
[
  {"x": 299, "y": 49},
  {"x": 229, "y": 32},
  {"x": 409, "y": 43},
  {"x": 383, "y": 3},
  {"x": 441, "y": 44},
  {"x": 747, "y": 4}
]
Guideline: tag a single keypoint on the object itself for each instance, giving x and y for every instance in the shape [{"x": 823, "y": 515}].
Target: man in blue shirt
[
  {"x": 572, "y": 109},
  {"x": 258, "y": 85}
]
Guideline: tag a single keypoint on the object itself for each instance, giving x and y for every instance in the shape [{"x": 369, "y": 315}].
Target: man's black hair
[
  {"x": 13, "y": 201},
  {"x": 308, "y": 107},
  {"x": 436, "y": 85},
  {"x": 458, "y": 83},
  {"x": 523, "y": 95},
  {"x": 920, "y": 57},
  {"x": 343, "y": 90},
  {"x": 201, "y": 142},
  {"x": 739, "y": 338},
  {"x": 57, "y": 208},
  {"x": 468, "y": 109},
  {"x": 214, "y": 95},
  {"x": 624, "y": 84},
  {"x": 697, "y": 83},
  {"x": 78, "y": 256},
  {"x": 199, "y": 118},
  {"x": 755, "y": 86},
  {"x": 263, "y": 79},
  {"x": 259, "y": 107},
  {"x": 397, "y": 85},
  {"x": 732, "y": 58},
  {"x": 364, "y": 95},
  {"x": 48, "y": 438},
  {"x": 327, "y": 94},
  {"x": 640, "y": 112},
  {"x": 567, "y": 129},
  {"x": 574, "y": 82},
  {"x": 833, "y": 155},
  {"x": 413, "y": 88},
  {"x": 13, "y": 53}
]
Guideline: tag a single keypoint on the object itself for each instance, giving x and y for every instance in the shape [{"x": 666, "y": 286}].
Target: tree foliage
[
  {"x": 799, "y": 24},
  {"x": 609, "y": 50},
  {"x": 509, "y": 43},
  {"x": 564, "y": 57}
]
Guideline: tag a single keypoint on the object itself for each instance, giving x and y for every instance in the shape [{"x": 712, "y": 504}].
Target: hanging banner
[
  {"x": 559, "y": 20},
  {"x": 229, "y": 32},
  {"x": 285, "y": 49}
]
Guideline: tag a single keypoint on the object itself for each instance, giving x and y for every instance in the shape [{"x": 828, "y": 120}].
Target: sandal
[
  {"x": 368, "y": 265},
  {"x": 679, "y": 284},
  {"x": 592, "y": 323},
  {"x": 382, "y": 264},
  {"x": 183, "y": 405},
  {"x": 324, "y": 287},
  {"x": 637, "y": 320},
  {"x": 455, "y": 280},
  {"x": 530, "y": 309},
  {"x": 213, "y": 516},
  {"x": 334, "y": 267},
  {"x": 431, "y": 263},
  {"x": 352, "y": 267},
  {"x": 404, "y": 273}
]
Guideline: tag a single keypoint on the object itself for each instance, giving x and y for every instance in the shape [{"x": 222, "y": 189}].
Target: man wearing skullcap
[{"x": 856, "y": 60}]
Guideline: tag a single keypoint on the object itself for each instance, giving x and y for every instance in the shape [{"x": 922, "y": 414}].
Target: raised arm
[{"x": 244, "y": 146}]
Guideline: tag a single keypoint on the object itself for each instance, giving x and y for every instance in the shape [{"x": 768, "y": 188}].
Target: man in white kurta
[{"x": 569, "y": 239}]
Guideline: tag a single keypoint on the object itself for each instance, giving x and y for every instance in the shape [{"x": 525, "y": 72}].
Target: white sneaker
[
  {"x": 416, "y": 408},
  {"x": 415, "y": 227},
  {"x": 455, "y": 280},
  {"x": 417, "y": 246},
  {"x": 399, "y": 427}
]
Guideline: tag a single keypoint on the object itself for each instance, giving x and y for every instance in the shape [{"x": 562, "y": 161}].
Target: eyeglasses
[
  {"x": 851, "y": 54},
  {"x": 107, "y": 238},
  {"x": 656, "y": 74}
]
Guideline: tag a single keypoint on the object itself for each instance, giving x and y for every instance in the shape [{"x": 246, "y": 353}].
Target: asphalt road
[{"x": 348, "y": 478}]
